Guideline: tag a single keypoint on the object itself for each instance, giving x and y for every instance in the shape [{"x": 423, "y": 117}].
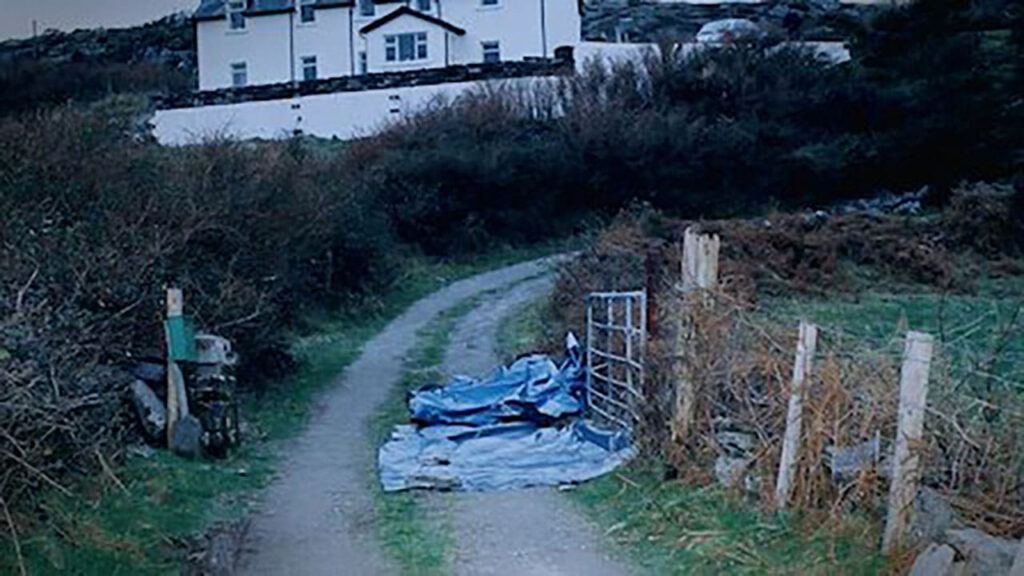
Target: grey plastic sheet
[{"x": 520, "y": 426}]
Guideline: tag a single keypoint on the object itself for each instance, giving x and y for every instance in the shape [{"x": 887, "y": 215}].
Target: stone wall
[{"x": 391, "y": 80}]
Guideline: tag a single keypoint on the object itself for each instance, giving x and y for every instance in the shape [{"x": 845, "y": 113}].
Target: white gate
[{"x": 616, "y": 338}]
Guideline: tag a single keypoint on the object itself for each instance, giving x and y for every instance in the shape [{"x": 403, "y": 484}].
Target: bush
[
  {"x": 96, "y": 223},
  {"x": 930, "y": 100}
]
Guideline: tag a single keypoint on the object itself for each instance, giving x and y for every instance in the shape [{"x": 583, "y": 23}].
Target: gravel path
[
  {"x": 317, "y": 516},
  {"x": 529, "y": 532}
]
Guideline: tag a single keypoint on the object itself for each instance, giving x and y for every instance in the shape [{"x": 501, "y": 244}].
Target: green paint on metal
[{"x": 181, "y": 339}]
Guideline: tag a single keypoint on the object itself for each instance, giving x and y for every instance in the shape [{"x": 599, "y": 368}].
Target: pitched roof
[
  {"x": 406, "y": 11},
  {"x": 215, "y": 9}
]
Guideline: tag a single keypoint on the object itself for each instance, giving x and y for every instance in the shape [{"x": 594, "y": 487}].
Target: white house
[{"x": 252, "y": 42}]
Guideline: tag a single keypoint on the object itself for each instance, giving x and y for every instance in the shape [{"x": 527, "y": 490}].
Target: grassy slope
[
  {"x": 145, "y": 528},
  {"x": 968, "y": 326}
]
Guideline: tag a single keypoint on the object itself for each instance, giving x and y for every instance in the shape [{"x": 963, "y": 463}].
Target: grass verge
[
  {"x": 525, "y": 330},
  {"x": 142, "y": 521},
  {"x": 418, "y": 545},
  {"x": 668, "y": 527}
]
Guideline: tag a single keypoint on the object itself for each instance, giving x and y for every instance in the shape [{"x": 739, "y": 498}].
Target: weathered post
[
  {"x": 805, "y": 348},
  {"x": 917, "y": 357},
  {"x": 175, "y": 309},
  {"x": 699, "y": 275}
]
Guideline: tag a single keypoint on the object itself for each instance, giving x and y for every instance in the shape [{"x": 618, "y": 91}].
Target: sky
[{"x": 16, "y": 21}]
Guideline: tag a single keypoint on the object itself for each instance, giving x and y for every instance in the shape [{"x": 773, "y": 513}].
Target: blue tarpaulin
[{"x": 520, "y": 426}]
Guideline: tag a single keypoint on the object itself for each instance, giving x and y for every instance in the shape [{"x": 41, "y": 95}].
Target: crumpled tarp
[{"x": 520, "y": 426}]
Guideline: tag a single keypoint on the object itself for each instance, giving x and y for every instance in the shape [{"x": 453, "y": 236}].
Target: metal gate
[{"x": 616, "y": 338}]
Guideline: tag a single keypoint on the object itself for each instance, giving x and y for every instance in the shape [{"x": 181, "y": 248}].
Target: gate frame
[{"x": 635, "y": 344}]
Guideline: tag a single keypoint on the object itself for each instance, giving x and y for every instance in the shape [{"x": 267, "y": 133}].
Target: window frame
[
  {"x": 236, "y": 15},
  {"x": 492, "y": 48},
  {"x": 367, "y": 9},
  {"x": 406, "y": 47},
  {"x": 489, "y": 4},
  {"x": 239, "y": 69},
  {"x": 309, "y": 63},
  {"x": 364, "y": 62},
  {"x": 425, "y": 5},
  {"x": 307, "y": 12}
]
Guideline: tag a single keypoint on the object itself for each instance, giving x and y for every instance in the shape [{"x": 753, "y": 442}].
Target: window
[
  {"x": 423, "y": 5},
  {"x": 363, "y": 66},
  {"x": 492, "y": 51},
  {"x": 236, "y": 16},
  {"x": 239, "y": 75},
  {"x": 405, "y": 47},
  {"x": 309, "y": 68},
  {"x": 366, "y": 8},
  {"x": 307, "y": 13},
  {"x": 489, "y": 3}
]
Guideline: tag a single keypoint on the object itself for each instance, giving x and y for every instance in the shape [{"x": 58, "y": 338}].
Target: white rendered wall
[
  {"x": 327, "y": 38},
  {"x": 515, "y": 24},
  {"x": 263, "y": 45},
  {"x": 610, "y": 54},
  {"x": 342, "y": 115},
  {"x": 564, "y": 24}
]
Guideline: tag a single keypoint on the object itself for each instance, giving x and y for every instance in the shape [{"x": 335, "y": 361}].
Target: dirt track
[
  {"x": 530, "y": 532},
  {"x": 317, "y": 517}
]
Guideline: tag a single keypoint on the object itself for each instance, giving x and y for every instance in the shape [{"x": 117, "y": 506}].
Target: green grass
[
  {"x": 418, "y": 545},
  {"x": 523, "y": 331},
  {"x": 103, "y": 530},
  {"x": 668, "y": 527},
  {"x": 982, "y": 329}
]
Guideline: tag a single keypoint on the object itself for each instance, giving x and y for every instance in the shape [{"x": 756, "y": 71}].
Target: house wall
[
  {"x": 513, "y": 23},
  {"x": 272, "y": 46},
  {"x": 564, "y": 24},
  {"x": 328, "y": 39},
  {"x": 264, "y": 46},
  {"x": 342, "y": 115}
]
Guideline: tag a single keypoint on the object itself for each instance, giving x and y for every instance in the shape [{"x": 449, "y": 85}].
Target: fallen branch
[
  {"x": 110, "y": 472},
  {"x": 20, "y": 300}
]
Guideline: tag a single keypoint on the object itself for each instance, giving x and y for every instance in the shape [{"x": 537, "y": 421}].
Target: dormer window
[
  {"x": 366, "y": 8},
  {"x": 423, "y": 5},
  {"x": 236, "y": 14},
  {"x": 489, "y": 3},
  {"x": 307, "y": 12}
]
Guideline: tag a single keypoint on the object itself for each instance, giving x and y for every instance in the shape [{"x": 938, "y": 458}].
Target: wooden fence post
[
  {"x": 917, "y": 357},
  {"x": 699, "y": 274},
  {"x": 805, "y": 348}
]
